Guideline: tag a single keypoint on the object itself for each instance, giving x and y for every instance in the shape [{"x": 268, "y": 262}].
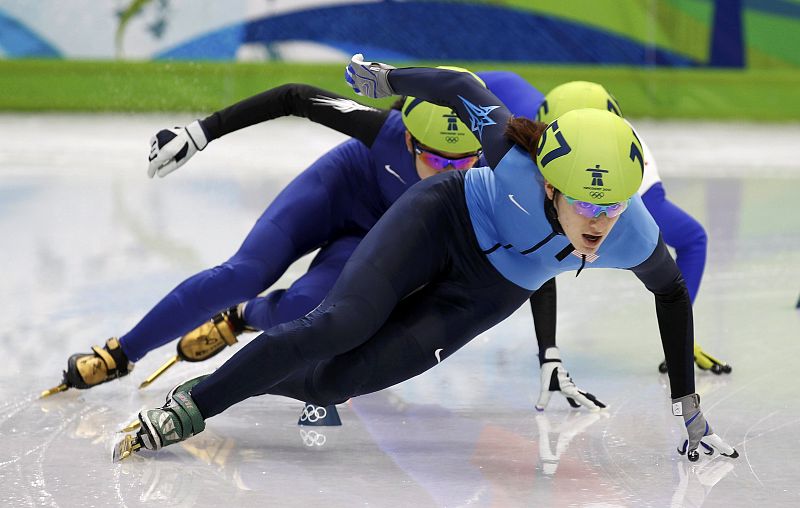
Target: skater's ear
[
  {"x": 409, "y": 146},
  {"x": 549, "y": 190}
]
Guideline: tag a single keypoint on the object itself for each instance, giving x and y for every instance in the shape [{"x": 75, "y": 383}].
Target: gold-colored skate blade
[
  {"x": 125, "y": 448},
  {"x": 134, "y": 425},
  {"x": 52, "y": 391},
  {"x": 155, "y": 375}
]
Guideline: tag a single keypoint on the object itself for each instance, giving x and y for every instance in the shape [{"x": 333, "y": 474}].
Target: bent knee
[{"x": 337, "y": 380}]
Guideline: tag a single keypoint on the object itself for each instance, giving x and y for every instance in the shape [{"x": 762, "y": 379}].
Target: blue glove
[{"x": 369, "y": 79}]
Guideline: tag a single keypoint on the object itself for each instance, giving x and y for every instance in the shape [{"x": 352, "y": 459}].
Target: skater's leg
[
  {"x": 284, "y": 305},
  {"x": 299, "y": 299},
  {"x": 287, "y": 229},
  {"x": 682, "y": 232},
  {"x": 425, "y": 329}
]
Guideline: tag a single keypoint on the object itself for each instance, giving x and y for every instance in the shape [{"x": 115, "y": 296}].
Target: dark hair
[
  {"x": 398, "y": 104},
  {"x": 525, "y": 133}
]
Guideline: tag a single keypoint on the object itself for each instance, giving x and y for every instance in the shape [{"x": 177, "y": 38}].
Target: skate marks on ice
[{"x": 34, "y": 434}]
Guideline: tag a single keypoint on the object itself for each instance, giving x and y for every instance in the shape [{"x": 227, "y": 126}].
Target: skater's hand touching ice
[
  {"x": 700, "y": 432},
  {"x": 171, "y": 148},
  {"x": 369, "y": 79},
  {"x": 555, "y": 378}
]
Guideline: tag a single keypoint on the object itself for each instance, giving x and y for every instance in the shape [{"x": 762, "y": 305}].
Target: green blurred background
[
  {"x": 58, "y": 85},
  {"x": 697, "y": 59}
]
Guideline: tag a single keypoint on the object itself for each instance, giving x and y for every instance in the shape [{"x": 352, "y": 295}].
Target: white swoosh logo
[
  {"x": 436, "y": 354},
  {"x": 343, "y": 105},
  {"x": 393, "y": 173},
  {"x": 511, "y": 197}
]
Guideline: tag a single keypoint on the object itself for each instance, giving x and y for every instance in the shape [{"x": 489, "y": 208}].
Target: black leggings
[{"x": 415, "y": 290}]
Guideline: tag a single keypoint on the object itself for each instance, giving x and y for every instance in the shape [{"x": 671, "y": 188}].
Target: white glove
[
  {"x": 555, "y": 378},
  {"x": 171, "y": 148},
  {"x": 370, "y": 79},
  {"x": 700, "y": 432}
]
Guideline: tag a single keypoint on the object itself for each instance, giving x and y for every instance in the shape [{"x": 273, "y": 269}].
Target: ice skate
[
  {"x": 175, "y": 421},
  {"x": 205, "y": 341},
  {"x": 707, "y": 362},
  {"x": 704, "y": 361},
  {"x": 135, "y": 424},
  {"x": 85, "y": 370}
]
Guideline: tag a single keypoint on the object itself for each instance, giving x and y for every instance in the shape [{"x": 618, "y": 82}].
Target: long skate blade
[
  {"x": 155, "y": 375},
  {"x": 60, "y": 388},
  {"x": 125, "y": 448},
  {"x": 134, "y": 425}
]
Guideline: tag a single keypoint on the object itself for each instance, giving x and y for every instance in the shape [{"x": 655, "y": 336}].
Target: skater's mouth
[{"x": 591, "y": 242}]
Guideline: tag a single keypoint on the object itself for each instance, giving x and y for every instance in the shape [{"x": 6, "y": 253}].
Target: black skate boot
[{"x": 85, "y": 370}]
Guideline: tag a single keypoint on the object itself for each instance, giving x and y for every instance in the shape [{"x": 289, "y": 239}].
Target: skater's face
[
  {"x": 430, "y": 162},
  {"x": 585, "y": 233}
]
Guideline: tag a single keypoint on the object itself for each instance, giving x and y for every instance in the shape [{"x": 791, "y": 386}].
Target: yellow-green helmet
[
  {"x": 591, "y": 155},
  {"x": 576, "y": 95},
  {"x": 438, "y": 127}
]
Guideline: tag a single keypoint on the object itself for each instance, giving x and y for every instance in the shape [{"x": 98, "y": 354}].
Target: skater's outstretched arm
[
  {"x": 661, "y": 276},
  {"x": 172, "y": 148},
  {"x": 320, "y": 106},
  {"x": 474, "y": 104}
]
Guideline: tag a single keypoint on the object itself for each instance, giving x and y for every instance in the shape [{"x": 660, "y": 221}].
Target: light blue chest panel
[{"x": 506, "y": 207}]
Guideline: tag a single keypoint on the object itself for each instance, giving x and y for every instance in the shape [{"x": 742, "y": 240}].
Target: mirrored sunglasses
[{"x": 440, "y": 163}]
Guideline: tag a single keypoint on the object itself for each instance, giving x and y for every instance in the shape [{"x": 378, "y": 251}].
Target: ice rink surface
[{"x": 89, "y": 244}]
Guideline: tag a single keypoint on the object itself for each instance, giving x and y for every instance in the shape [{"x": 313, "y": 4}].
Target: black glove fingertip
[{"x": 593, "y": 399}]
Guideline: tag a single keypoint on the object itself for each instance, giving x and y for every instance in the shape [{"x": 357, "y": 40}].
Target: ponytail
[{"x": 525, "y": 133}]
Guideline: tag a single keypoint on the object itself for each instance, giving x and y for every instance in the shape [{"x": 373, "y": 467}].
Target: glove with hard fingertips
[
  {"x": 699, "y": 431},
  {"x": 555, "y": 378},
  {"x": 370, "y": 79},
  {"x": 172, "y": 148}
]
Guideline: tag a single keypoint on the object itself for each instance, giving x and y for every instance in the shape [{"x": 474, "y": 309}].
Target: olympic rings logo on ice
[
  {"x": 597, "y": 194},
  {"x": 316, "y": 414},
  {"x": 312, "y": 438}
]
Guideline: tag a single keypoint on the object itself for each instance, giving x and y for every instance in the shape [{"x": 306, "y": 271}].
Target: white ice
[{"x": 88, "y": 244}]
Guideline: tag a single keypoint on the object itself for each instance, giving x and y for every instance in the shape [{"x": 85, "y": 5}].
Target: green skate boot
[{"x": 172, "y": 423}]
